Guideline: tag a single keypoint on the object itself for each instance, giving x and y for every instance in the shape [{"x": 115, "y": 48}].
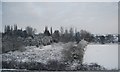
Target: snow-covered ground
[
  {"x": 105, "y": 55},
  {"x": 41, "y": 54}
]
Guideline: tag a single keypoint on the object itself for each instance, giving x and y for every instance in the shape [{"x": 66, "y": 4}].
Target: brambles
[
  {"x": 73, "y": 52},
  {"x": 10, "y": 43},
  {"x": 52, "y": 65}
]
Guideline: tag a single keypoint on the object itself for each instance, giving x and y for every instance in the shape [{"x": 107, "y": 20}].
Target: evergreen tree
[
  {"x": 71, "y": 34},
  {"x": 77, "y": 37},
  {"x": 46, "y": 32},
  {"x": 51, "y": 30},
  {"x": 66, "y": 36},
  {"x": 11, "y": 28},
  {"x": 71, "y": 31},
  {"x": 5, "y": 30},
  {"x": 56, "y": 36},
  {"x": 66, "y": 31},
  {"x": 15, "y": 27},
  {"x": 8, "y": 28},
  {"x": 102, "y": 39}
]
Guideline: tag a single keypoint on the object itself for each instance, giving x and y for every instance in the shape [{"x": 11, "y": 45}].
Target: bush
[
  {"x": 11, "y": 43},
  {"x": 35, "y": 66},
  {"x": 72, "y": 52},
  {"x": 92, "y": 66},
  {"x": 54, "y": 65},
  {"x": 9, "y": 64},
  {"x": 68, "y": 52},
  {"x": 23, "y": 65},
  {"x": 47, "y": 40}
]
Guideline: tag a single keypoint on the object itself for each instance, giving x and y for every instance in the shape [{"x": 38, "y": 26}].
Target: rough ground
[
  {"x": 44, "y": 54},
  {"x": 41, "y": 54}
]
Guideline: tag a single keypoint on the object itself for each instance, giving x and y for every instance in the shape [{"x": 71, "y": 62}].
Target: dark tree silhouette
[
  {"x": 15, "y": 27},
  {"x": 46, "y": 32},
  {"x": 102, "y": 39},
  {"x": 77, "y": 37},
  {"x": 56, "y": 36},
  {"x": 51, "y": 31},
  {"x": 71, "y": 34},
  {"x": 86, "y": 35},
  {"x": 110, "y": 38},
  {"x": 30, "y": 31}
]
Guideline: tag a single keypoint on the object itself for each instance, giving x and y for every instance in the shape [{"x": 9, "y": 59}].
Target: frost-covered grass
[
  {"x": 48, "y": 57},
  {"x": 32, "y": 53},
  {"x": 33, "y": 58}
]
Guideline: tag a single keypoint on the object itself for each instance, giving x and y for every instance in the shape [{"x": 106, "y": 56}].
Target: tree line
[
  {"x": 14, "y": 38},
  {"x": 62, "y": 35}
]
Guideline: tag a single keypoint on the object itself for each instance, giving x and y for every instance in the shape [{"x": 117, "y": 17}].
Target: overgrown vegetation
[
  {"x": 11, "y": 43},
  {"x": 73, "y": 52},
  {"x": 52, "y": 65},
  {"x": 14, "y": 38}
]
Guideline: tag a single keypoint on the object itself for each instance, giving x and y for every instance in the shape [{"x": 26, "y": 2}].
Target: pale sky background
[
  {"x": 95, "y": 17},
  {"x": 0, "y": 16}
]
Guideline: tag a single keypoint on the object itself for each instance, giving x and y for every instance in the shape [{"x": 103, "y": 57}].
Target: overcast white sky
[{"x": 95, "y": 17}]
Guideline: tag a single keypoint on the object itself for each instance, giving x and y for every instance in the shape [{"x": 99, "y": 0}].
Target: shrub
[
  {"x": 23, "y": 65},
  {"x": 35, "y": 66},
  {"x": 72, "y": 52},
  {"x": 11, "y": 43},
  {"x": 47, "y": 40},
  {"x": 9, "y": 64},
  {"x": 92, "y": 66},
  {"x": 54, "y": 65}
]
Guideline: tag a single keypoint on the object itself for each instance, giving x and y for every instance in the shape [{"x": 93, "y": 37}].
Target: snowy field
[
  {"x": 41, "y": 54},
  {"x": 105, "y": 55}
]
